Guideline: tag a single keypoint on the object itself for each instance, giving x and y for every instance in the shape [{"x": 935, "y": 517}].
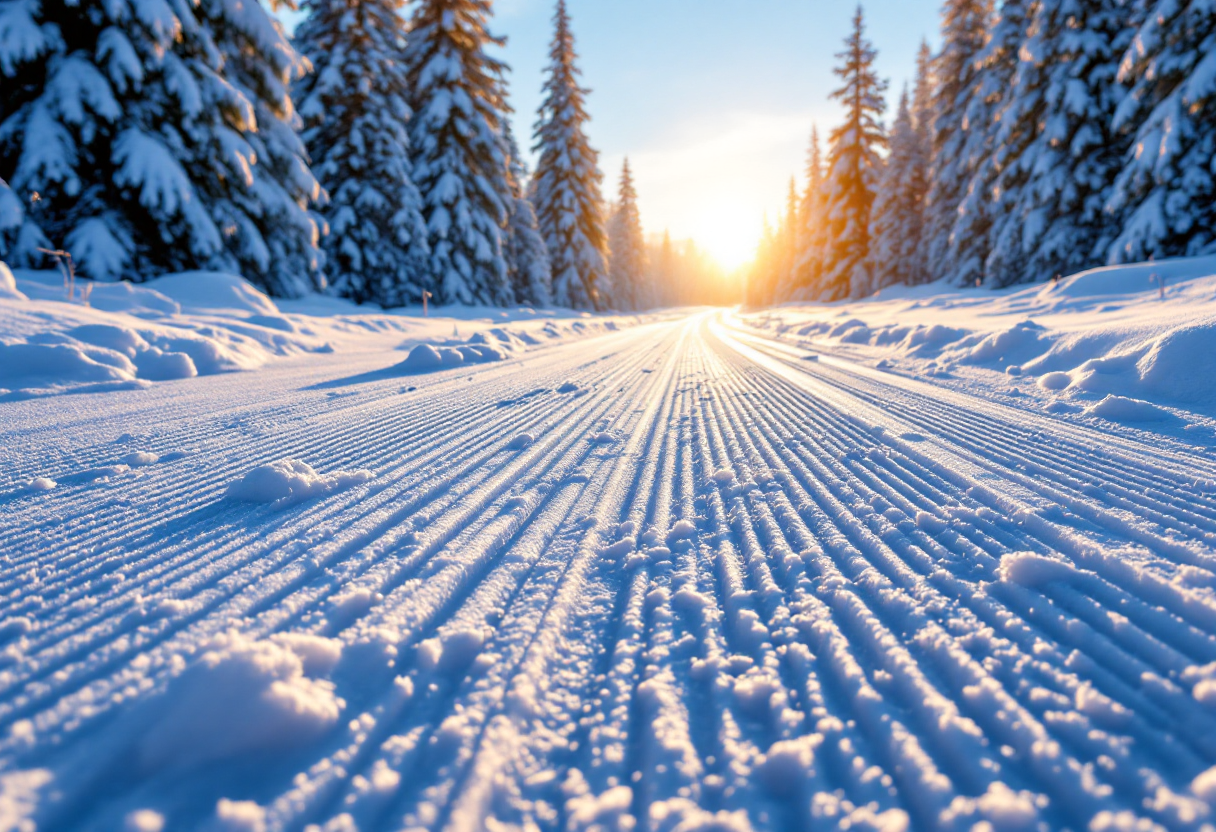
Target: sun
[{"x": 728, "y": 232}]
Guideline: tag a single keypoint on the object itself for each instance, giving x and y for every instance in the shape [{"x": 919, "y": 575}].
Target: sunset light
[{"x": 607, "y": 416}]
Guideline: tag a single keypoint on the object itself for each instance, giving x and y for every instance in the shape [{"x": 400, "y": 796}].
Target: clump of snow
[
  {"x": 1031, "y": 570},
  {"x": 19, "y": 798},
  {"x": 999, "y": 809},
  {"x": 41, "y": 484},
  {"x": 521, "y": 441},
  {"x": 240, "y": 696},
  {"x": 240, "y": 816},
  {"x": 1123, "y": 409},
  {"x": 679, "y": 814},
  {"x": 1203, "y": 680},
  {"x": 788, "y": 763},
  {"x": 1204, "y": 786},
  {"x": 682, "y": 530},
  {"x": 144, "y": 820},
  {"x": 138, "y": 459},
  {"x": 607, "y": 812},
  {"x": 290, "y": 480}
]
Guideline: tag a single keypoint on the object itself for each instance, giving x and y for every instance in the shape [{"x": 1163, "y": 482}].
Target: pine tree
[
  {"x": 996, "y": 65},
  {"x": 964, "y": 29},
  {"x": 270, "y": 230},
  {"x": 922, "y": 100},
  {"x": 459, "y": 155},
  {"x": 12, "y": 218},
  {"x": 1056, "y": 152},
  {"x": 355, "y": 110},
  {"x": 808, "y": 263},
  {"x": 1165, "y": 193},
  {"x": 897, "y": 221},
  {"x": 664, "y": 277},
  {"x": 853, "y": 166},
  {"x": 627, "y": 247},
  {"x": 569, "y": 205},
  {"x": 156, "y": 136},
  {"x": 527, "y": 258}
]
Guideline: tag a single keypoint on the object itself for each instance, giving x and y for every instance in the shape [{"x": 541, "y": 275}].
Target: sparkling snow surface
[{"x": 668, "y": 575}]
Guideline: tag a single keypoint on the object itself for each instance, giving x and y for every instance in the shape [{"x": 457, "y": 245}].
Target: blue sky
[{"x": 712, "y": 100}]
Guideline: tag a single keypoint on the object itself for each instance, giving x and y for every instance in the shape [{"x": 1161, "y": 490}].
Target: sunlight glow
[{"x": 714, "y": 179}]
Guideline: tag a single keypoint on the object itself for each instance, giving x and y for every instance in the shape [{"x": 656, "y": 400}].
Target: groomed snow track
[{"x": 722, "y": 587}]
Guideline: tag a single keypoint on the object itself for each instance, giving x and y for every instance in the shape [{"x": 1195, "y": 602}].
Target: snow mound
[
  {"x": 290, "y": 480},
  {"x": 1181, "y": 364},
  {"x": 240, "y": 696},
  {"x": 8, "y": 284},
  {"x": 213, "y": 292},
  {"x": 482, "y": 348},
  {"x": 1136, "y": 279},
  {"x": 1123, "y": 409}
]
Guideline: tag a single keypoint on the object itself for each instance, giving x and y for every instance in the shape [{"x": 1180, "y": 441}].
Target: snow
[
  {"x": 290, "y": 480},
  {"x": 781, "y": 594},
  {"x": 181, "y": 326},
  {"x": 1104, "y": 340}
]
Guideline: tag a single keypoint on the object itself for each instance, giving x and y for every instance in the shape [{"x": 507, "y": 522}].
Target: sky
[{"x": 711, "y": 100}]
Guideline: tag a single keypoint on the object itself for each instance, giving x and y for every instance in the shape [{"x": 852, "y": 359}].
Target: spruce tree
[
  {"x": 853, "y": 166},
  {"x": 156, "y": 136},
  {"x": 569, "y": 205},
  {"x": 1056, "y": 152},
  {"x": 355, "y": 111},
  {"x": 459, "y": 155},
  {"x": 627, "y": 248},
  {"x": 964, "y": 30},
  {"x": 527, "y": 259},
  {"x": 808, "y": 263},
  {"x": 1165, "y": 193},
  {"x": 897, "y": 221},
  {"x": 12, "y": 218},
  {"x": 922, "y": 100},
  {"x": 271, "y": 231},
  {"x": 996, "y": 64}
]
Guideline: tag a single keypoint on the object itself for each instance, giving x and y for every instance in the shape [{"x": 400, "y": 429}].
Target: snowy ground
[{"x": 702, "y": 572}]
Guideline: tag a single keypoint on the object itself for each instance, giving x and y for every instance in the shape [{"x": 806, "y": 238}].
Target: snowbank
[
  {"x": 1106, "y": 339},
  {"x": 126, "y": 336}
]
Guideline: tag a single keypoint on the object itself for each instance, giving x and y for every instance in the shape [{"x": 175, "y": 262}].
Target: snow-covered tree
[
  {"x": 1165, "y": 193},
  {"x": 1056, "y": 152},
  {"x": 147, "y": 136},
  {"x": 897, "y": 219},
  {"x": 627, "y": 247},
  {"x": 569, "y": 204},
  {"x": 355, "y": 110},
  {"x": 922, "y": 99},
  {"x": 964, "y": 31},
  {"x": 527, "y": 258},
  {"x": 808, "y": 257},
  {"x": 459, "y": 154},
  {"x": 996, "y": 64},
  {"x": 853, "y": 166},
  {"x": 12, "y": 218}
]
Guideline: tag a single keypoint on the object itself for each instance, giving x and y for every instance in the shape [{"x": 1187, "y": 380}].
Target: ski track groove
[{"x": 763, "y": 553}]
